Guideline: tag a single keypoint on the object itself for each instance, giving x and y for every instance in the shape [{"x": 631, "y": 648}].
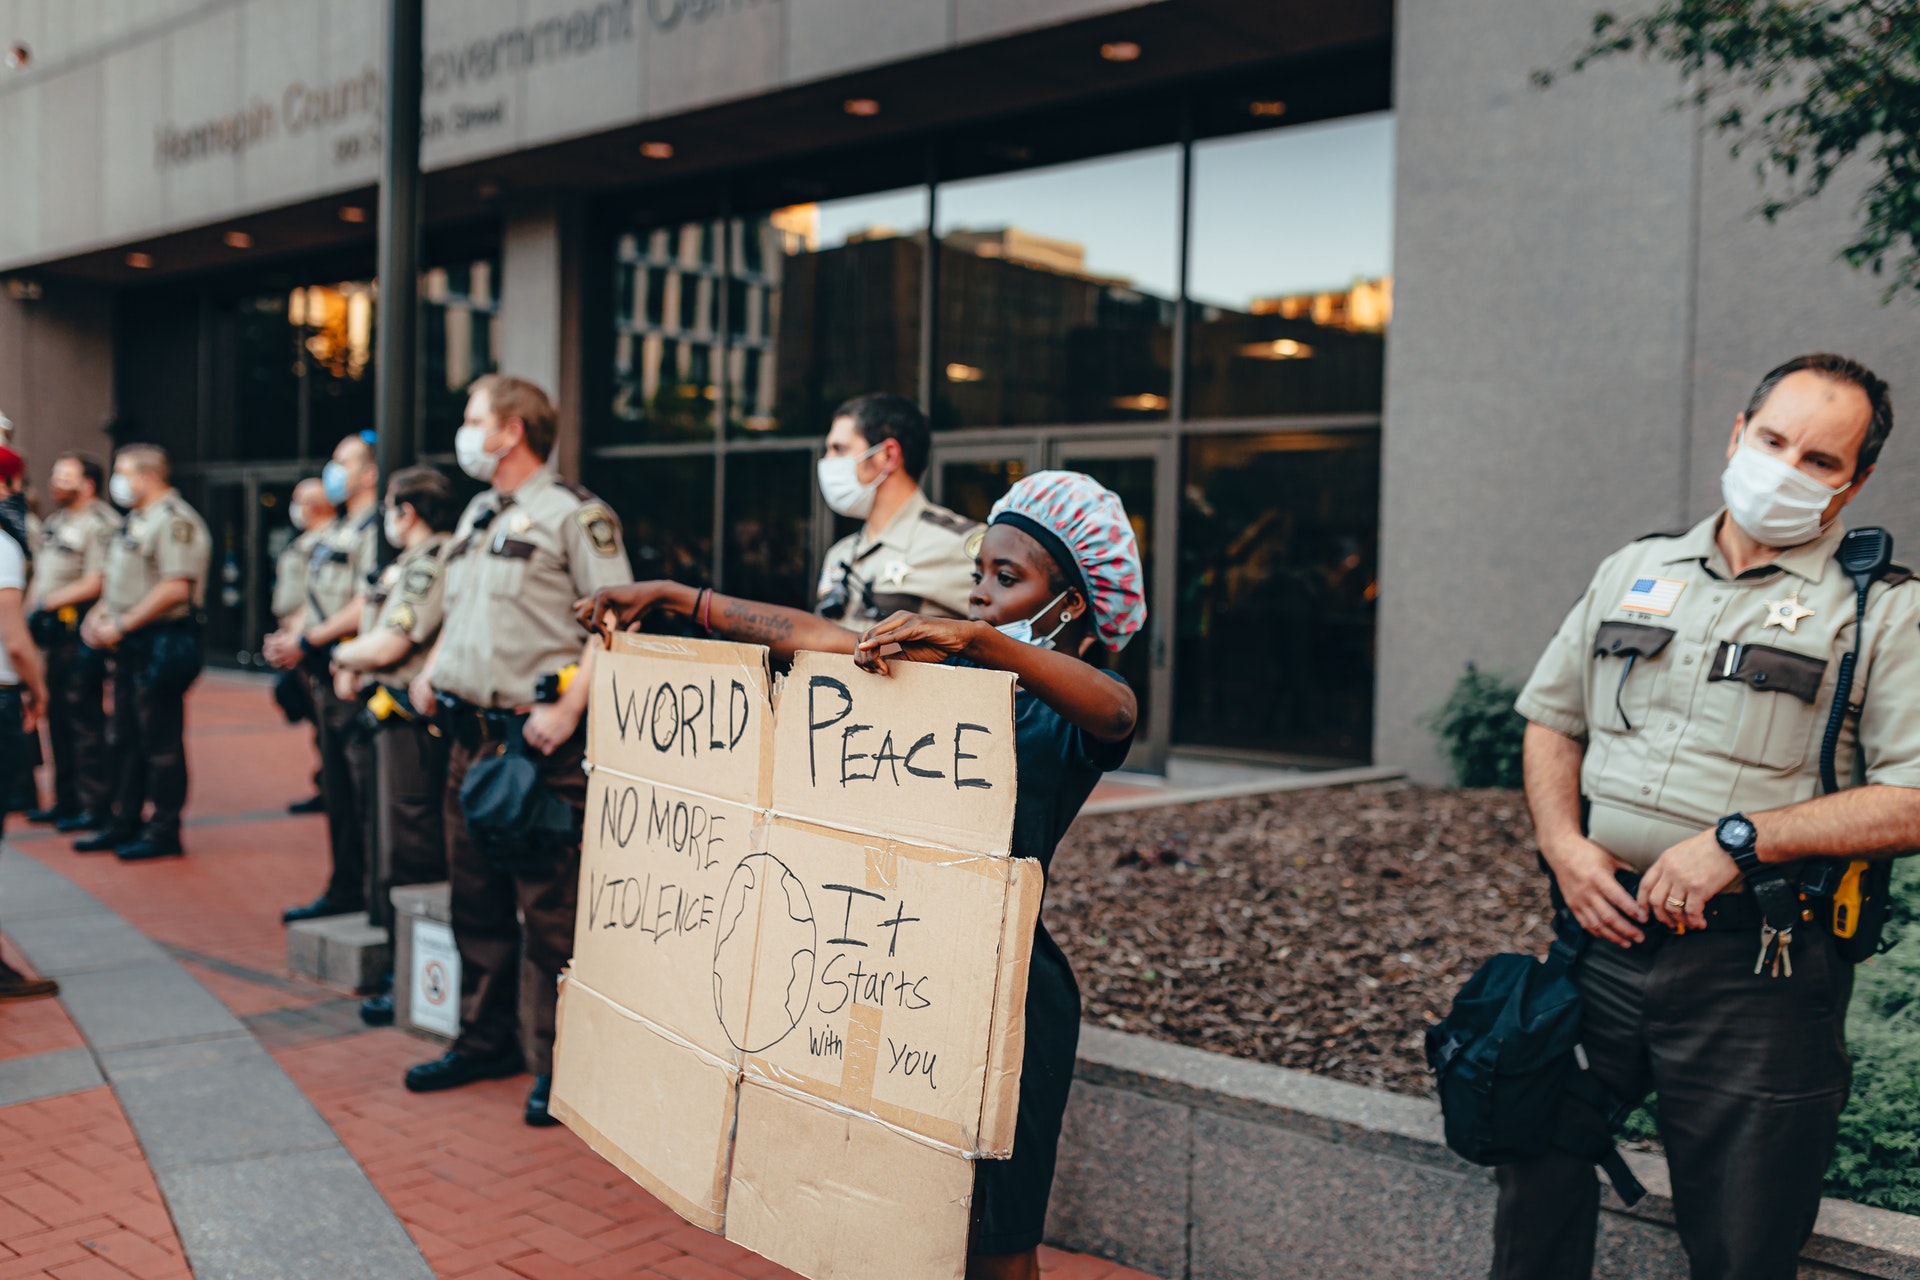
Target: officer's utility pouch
[
  {"x": 1630, "y": 641},
  {"x": 177, "y": 656},
  {"x": 1507, "y": 1061},
  {"x": 514, "y": 820}
]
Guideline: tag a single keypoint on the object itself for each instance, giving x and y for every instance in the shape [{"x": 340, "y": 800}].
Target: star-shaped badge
[
  {"x": 1786, "y": 614},
  {"x": 894, "y": 574}
]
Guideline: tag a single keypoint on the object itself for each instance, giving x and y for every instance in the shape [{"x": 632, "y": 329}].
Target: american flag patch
[{"x": 1653, "y": 595}]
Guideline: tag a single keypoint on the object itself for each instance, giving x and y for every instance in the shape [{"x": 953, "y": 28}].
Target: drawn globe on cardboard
[{"x": 760, "y": 1004}]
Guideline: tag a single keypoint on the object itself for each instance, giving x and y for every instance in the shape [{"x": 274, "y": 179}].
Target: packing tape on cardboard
[{"x": 863, "y": 1057}]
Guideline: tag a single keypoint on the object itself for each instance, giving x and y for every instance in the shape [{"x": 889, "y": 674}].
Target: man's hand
[
  {"x": 913, "y": 638},
  {"x": 550, "y": 724},
  {"x": 623, "y": 608},
  {"x": 33, "y": 702},
  {"x": 420, "y": 694},
  {"x": 346, "y": 684},
  {"x": 1691, "y": 871},
  {"x": 282, "y": 650},
  {"x": 99, "y": 631},
  {"x": 1584, "y": 871}
]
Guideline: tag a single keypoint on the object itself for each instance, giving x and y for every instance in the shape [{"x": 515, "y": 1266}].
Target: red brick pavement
[{"x": 484, "y": 1196}]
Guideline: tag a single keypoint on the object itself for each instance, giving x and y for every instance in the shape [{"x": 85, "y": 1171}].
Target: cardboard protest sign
[{"x": 796, "y": 1001}]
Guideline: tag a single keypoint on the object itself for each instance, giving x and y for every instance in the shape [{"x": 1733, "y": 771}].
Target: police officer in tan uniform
[
  {"x": 309, "y": 512},
  {"x": 1674, "y": 762},
  {"x": 909, "y": 554},
  {"x": 405, "y": 836},
  {"x": 69, "y": 571},
  {"x": 522, "y": 553},
  {"x": 148, "y": 616},
  {"x": 337, "y": 573}
]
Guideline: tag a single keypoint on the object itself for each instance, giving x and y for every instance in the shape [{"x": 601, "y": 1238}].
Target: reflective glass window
[
  {"x": 665, "y": 507},
  {"x": 825, "y": 306},
  {"x": 769, "y": 519},
  {"x": 460, "y": 319},
  {"x": 1279, "y": 546},
  {"x": 334, "y": 323},
  {"x": 1057, "y": 291},
  {"x": 665, "y": 340},
  {"x": 1291, "y": 270}
]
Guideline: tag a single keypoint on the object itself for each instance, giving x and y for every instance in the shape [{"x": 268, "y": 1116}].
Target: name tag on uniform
[{"x": 1653, "y": 595}]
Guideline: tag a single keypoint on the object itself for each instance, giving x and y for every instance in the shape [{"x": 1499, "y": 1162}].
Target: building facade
[{"x": 1381, "y": 347}]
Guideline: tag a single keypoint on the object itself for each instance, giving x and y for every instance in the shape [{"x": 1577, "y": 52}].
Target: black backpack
[{"x": 1505, "y": 1058}]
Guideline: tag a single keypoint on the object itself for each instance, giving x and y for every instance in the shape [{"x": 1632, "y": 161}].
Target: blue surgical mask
[
  {"x": 333, "y": 479},
  {"x": 1021, "y": 632}
]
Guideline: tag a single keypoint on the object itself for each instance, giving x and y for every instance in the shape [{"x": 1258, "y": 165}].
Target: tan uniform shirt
[
  {"x": 516, "y": 565},
  {"x": 921, "y": 562},
  {"x": 1731, "y": 681},
  {"x": 167, "y": 540},
  {"x": 73, "y": 544},
  {"x": 409, "y": 596},
  {"x": 290, "y": 574},
  {"x": 338, "y": 567}
]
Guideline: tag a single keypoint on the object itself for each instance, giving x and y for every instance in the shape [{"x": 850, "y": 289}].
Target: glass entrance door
[
  {"x": 970, "y": 478},
  {"x": 246, "y": 513},
  {"x": 1142, "y": 473}
]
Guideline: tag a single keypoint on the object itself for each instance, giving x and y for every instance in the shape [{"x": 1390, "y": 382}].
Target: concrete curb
[
  {"x": 258, "y": 1184},
  {"x": 1235, "y": 790},
  {"x": 1196, "y": 1166}
]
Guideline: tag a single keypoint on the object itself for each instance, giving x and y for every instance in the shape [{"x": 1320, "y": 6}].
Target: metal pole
[
  {"x": 399, "y": 259},
  {"x": 930, "y": 287}
]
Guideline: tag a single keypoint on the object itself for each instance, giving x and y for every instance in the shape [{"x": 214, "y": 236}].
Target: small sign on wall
[{"x": 434, "y": 1003}]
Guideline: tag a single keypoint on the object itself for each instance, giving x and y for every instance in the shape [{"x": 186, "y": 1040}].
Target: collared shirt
[
  {"x": 290, "y": 573},
  {"x": 409, "y": 596},
  {"x": 517, "y": 563},
  {"x": 340, "y": 561},
  {"x": 73, "y": 545},
  {"x": 921, "y": 562},
  {"x": 167, "y": 540},
  {"x": 1701, "y": 694}
]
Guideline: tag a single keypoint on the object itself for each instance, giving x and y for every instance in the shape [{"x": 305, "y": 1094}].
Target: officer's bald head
[{"x": 353, "y": 451}]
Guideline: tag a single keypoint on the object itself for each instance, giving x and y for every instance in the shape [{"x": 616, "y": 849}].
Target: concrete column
[
  {"x": 540, "y": 305},
  {"x": 56, "y": 371}
]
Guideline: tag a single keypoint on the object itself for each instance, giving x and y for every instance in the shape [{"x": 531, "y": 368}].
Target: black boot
[
  {"x": 536, "y": 1114},
  {"x": 454, "y": 1068}
]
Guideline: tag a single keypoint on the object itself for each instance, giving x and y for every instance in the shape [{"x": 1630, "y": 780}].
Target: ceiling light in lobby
[
  {"x": 861, "y": 107},
  {"x": 1120, "y": 51},
  {"x": 352, "y": 213},
  {"x": 139, "y": 261},
  {"x": 1145, "y": 402},
  {"x": 237, "y": 240},
  {"x": 1267, "y": 107},
  {"x": 657, "y": 150},
  {"x": 964, "y": 373},
  {"x": 1278, "y": 349}
]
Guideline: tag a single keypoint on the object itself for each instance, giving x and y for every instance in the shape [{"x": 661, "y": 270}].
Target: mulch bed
[{"x": 1322, "y": 930}]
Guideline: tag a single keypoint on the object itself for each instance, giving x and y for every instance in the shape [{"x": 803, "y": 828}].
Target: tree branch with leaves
[{"x": 1801, "y": 88}]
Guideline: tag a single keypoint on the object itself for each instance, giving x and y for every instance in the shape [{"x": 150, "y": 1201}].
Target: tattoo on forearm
[{"x": 761, "y": 625}]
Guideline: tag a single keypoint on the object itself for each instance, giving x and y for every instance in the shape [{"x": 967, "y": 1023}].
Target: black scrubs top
[{"x": 1059, "y": 765}]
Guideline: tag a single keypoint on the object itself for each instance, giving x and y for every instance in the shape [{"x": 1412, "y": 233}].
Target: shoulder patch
[
  {"x": 182, "y": 530},
  {"x": 1664, "y": 533},
  {"x": 401, "y": 617},
  {"x": 941, "y": 518},
  {"x": 597, "y": 523},
  {"x": 974, "y": 540},
  {"x": 420, "y": 579}
]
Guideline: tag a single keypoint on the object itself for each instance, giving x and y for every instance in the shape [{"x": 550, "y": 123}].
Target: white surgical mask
[
  {"x": 390, "y": 525},
  {"x": 470, "y": 451},
  {"x": 840, "y": 484},
  {"x": 1021, "y": 632},
  {"x": 1776, "y": 504},
  {"x": 120, "y": 489}
]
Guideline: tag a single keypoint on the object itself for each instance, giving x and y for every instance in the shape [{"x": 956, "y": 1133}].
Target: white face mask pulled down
[
  {"x": 470, "y": 451},
  {"x": 1777, "y": 505},
  {"x": 840, "y": 484},
  {"x": 1021, "y": 632}
]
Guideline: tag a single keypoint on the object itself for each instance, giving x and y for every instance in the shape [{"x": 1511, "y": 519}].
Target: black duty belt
[
  {"x": 472, "y": 725},
  {"x": 1734, "y": 911}
]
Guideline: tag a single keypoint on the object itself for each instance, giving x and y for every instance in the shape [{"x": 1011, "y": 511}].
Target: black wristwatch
[{"x": 1767, "y": 881}]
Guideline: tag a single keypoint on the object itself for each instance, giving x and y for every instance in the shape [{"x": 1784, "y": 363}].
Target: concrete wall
[
  {"x": 1582, "y": 305},
  {"x": 125, "y": 126},
  {"x": 56, "y": 372}
]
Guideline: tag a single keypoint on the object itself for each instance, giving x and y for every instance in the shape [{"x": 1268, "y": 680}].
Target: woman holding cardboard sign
[{"x": 1056, "y": 576}]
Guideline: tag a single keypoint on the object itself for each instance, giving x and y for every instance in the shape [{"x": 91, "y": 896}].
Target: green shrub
[
  {"x": 1877, "y": 1160},
  {"x": 1480, "y": 732}
]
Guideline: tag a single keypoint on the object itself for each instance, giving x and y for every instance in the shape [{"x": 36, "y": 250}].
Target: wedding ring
[{"x": 1676, "y": 904}]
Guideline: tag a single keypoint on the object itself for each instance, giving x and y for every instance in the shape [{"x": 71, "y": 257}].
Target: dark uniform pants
[
  {"x": 147, "y": 738},
  {"x": 1752, "y": 1074},
  {"x": 77, "y": 726},
  {"x": 503, "y": 967},
  {"x": 13, "y": 755},
  {"x": 346, "y": 783},
  {"x": 405, "y": 830}
]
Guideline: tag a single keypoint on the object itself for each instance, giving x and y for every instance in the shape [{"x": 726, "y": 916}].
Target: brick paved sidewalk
[{"x": 483, "y": 1196}]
